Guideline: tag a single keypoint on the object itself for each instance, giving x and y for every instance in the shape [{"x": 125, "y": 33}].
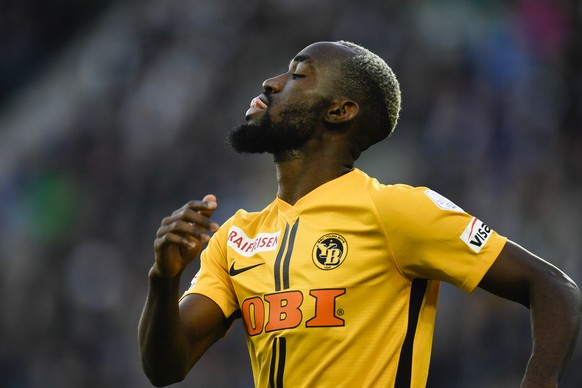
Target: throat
[{"x": 295, "y": 180}]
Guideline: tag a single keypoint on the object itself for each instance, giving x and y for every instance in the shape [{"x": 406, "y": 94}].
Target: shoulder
[
  {"x": 245, "y": 219},
  {"x": 417, "y": 206},
  {"x": 375, "y": 186},
  {"x": 400, "y": 194},
  {"x": 246, "y": 216}
]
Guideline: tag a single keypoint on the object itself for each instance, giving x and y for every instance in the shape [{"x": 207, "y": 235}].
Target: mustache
[{"x": 268, "y": 96}]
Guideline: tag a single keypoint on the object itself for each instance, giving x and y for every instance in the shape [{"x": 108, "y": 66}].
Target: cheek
[
  {"x": 279, "y": 107},
  {"x": 296, "y": 107}
]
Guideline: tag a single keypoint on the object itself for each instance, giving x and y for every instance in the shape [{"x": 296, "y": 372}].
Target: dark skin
[{"x": 174, "y": 336}]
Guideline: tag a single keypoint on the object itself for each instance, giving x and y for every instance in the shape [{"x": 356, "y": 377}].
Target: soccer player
[{"x": 337, "y": 279}]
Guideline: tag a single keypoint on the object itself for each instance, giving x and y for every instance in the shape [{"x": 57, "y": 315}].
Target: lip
[
  {"x": 258, "y": 104},
  {"x": 264, "y": 99}
]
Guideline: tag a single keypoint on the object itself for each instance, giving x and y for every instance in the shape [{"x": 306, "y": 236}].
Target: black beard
[{"x": 293, "y": 131}]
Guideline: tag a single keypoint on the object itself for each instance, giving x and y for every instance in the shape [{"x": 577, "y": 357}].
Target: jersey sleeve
[
  {"x": 432, "y": 238},
  {"x": 212, "y": 280}
]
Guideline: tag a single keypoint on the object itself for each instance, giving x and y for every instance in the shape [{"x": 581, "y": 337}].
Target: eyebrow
[{"x": 300, "y": 58}]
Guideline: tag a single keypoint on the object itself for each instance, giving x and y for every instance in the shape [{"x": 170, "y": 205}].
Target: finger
[
  {"x": 209, "y": 198},
  {"x": 185, "y": 229},
  {"x": 189, "y": 215},
  {"x": 202, "y": 220},
  {"x": 208, "y": 204},
  {"x": 188, "y": 223},
  {"x": 174, "y": 239},
  {"x": 197, "y": 212},
  {"x": 211, "y": 204},
  {"x": 198, "y": 206}
]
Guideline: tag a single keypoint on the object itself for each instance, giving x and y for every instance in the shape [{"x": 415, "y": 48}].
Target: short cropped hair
[{"x": 368, "y": 80}]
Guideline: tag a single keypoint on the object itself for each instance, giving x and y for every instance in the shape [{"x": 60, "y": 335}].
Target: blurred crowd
[{"x": 126, "y": 120}]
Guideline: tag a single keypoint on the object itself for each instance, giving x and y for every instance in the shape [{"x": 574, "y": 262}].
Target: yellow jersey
[{"x": 341, "y": 289}]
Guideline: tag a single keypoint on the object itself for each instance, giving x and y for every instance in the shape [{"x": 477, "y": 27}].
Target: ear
[{"x": 341, "y": 111}]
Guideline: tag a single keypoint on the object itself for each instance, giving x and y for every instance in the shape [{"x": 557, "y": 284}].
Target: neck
[{"x": 298, "y": 175}]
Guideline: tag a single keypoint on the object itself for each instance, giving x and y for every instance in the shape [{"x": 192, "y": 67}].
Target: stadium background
[{"x": 112, "y": 114}]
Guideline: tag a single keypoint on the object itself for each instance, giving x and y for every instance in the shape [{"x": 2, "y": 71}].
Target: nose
[{"x": 273, "y": 85}]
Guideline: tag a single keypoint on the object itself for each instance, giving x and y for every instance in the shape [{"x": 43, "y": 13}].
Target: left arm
[{"x": 555, "y": 306}]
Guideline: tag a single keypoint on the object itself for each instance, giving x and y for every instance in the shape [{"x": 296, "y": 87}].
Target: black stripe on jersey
[
  {"x": 404, "y": 373},
  {"x": 281, "y": 367},
  {"x": 233, "y": 317},
  {"x": 273, "y": 364},
  {"x": 278, "y": 259},
  {"x": 277, "y": 369},
  {"x": 288, "y": 255}
]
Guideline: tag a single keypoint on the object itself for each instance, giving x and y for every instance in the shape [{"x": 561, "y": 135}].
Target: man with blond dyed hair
[{"x": 337, "y": 279}]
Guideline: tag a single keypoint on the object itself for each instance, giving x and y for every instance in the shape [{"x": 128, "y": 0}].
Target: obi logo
[
  {"x": 282, "y": 311},
  {"x": 476, "y": 235},
  {"x": 330, "y": 251}
]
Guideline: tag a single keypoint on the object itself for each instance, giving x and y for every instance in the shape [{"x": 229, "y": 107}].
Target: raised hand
[{"x": 181, "y": 236}]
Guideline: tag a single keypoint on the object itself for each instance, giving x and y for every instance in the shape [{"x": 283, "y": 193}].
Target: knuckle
[
  {"x": 162, "y": 240},
  {"x": 161, "y": 231},
  {"x": 193, "y": 204}
]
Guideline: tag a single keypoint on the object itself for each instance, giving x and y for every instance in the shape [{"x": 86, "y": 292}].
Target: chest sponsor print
[{"x": 247, "y": 246}]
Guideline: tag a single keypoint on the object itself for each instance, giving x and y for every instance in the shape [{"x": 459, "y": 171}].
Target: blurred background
[{"x": 114, "y": 113}]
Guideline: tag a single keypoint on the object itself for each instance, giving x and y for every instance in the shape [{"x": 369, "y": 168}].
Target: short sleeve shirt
[{"x": 341, "y": 288}]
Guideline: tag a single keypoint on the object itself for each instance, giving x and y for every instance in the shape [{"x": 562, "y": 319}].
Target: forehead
[{"x": 322, "y": 53}]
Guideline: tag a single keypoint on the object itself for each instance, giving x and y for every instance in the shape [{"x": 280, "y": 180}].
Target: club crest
[{"x": 330, "y": 251}]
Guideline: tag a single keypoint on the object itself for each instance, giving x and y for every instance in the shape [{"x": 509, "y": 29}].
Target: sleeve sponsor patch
[
  {"x": 476, "y": 235},
  {"x": 442, "y": 202}
]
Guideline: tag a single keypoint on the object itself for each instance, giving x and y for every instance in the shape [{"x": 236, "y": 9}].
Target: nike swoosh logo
[{"x": 233, "y": 271}]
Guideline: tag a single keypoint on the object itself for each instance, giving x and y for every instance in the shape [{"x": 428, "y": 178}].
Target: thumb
[
  {"x": 209, "y": 198},
  {"x": 212, "y": 204}
]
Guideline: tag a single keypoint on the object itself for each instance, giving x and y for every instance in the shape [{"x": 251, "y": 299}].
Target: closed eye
[{"x": 297, "y": 76}]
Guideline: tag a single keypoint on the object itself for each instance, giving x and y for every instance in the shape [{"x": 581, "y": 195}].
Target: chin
[{"x": 255, "y": 117}]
